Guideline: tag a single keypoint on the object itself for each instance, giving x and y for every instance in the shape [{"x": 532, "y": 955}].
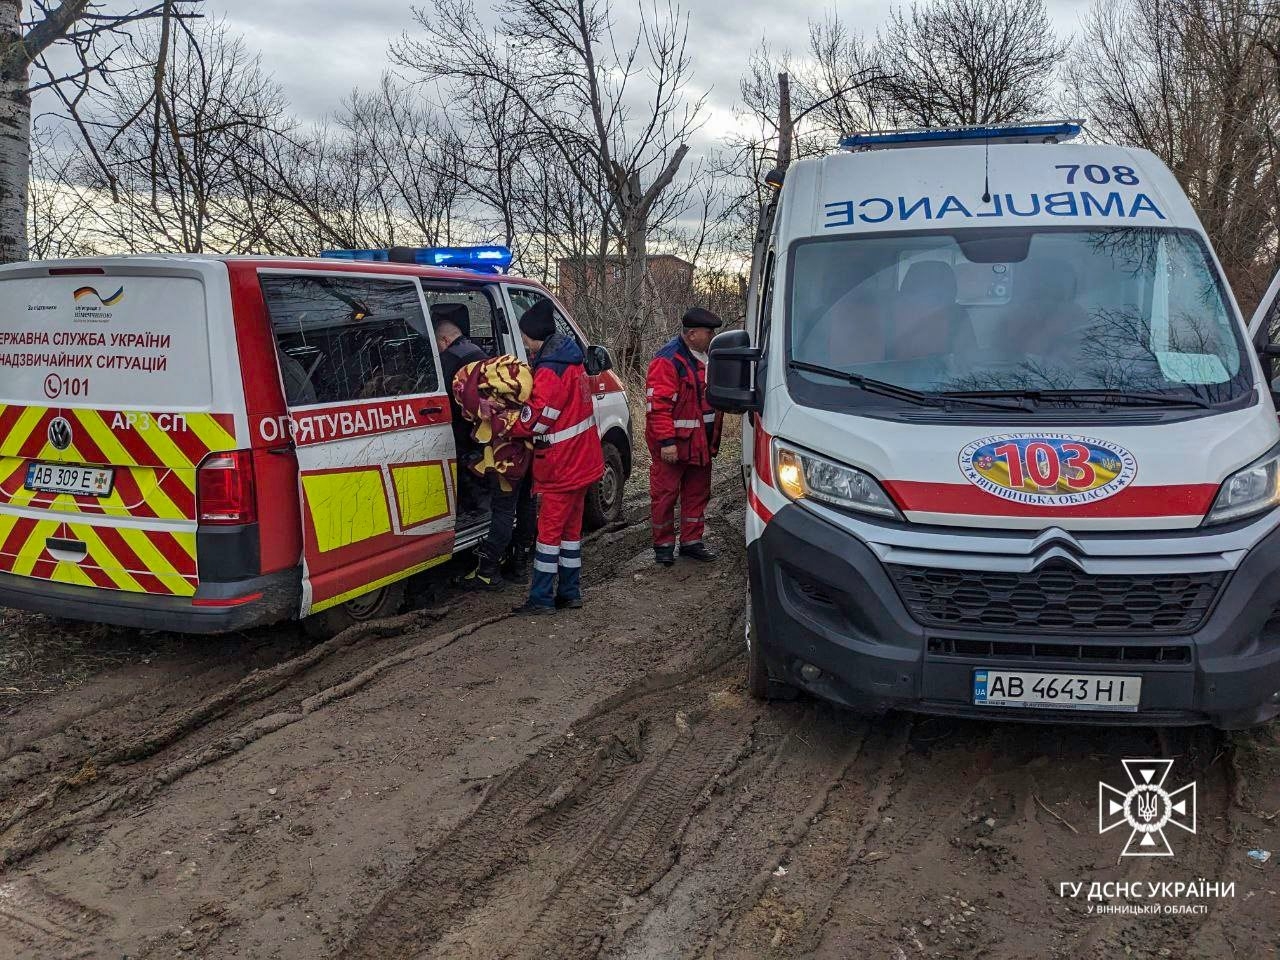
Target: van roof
[
  {"x": 953, "y": 186},
  {"x": 269, "y": 262}
]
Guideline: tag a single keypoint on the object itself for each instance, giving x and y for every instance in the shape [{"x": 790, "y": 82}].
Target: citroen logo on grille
[
  {"x": 1056, "y": 544},
  {"x": 60, "y": 433}
]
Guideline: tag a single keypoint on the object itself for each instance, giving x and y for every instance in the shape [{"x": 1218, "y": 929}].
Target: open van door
[
  {"x": 1267, "y": 316},
  {"x": 369, "y": 420}
]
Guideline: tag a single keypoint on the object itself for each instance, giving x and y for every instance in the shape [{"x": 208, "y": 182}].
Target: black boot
[
  {"x": 698, "y": 551},
  {"x": 516, "y": 569},
  {"x": 485, "y": 576},
  {"x": 665, "y": 555}
]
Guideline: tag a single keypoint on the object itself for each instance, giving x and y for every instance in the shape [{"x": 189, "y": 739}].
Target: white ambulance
[
  {"x": 1010, "y": 451},
  {"x": 204, "y": 444}
]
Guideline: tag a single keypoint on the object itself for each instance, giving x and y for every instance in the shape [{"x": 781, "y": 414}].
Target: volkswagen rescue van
[
  {"x": 203, "y": 444},
  {"x": 1010, "y": 451}
]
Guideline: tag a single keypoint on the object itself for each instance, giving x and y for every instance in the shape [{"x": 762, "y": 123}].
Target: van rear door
[{"x": 107, "y": 407}]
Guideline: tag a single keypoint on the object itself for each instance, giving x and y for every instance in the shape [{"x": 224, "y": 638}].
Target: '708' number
[
  {"x": 1042, "y": 464},
  {"x": 1098, "y": 174}
]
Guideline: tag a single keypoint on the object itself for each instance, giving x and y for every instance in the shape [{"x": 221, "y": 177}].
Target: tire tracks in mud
[
  {"x": 275, "y": 697},
  {"x": 586, "y": 821},
  {"x": 213, "y": 728}
]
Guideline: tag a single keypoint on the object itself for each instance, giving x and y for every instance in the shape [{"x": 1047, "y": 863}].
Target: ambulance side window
[
  {"x": 340, "y": 339},
  {"x": 522, "y": 299}
]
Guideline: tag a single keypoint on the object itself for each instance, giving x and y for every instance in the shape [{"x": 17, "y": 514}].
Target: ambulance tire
[
  {"x": 376, "y": 605},
  {"x": 760, "y": 685},
  {"x": 604, "y": 499}
]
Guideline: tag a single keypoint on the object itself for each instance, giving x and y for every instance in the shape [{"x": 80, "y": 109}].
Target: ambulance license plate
[
  {"x": 1056, "y": 691},
  {"x": 79, "y": 481}
]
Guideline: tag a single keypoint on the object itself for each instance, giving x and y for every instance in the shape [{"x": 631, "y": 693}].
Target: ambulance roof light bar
[
  {"x": 1044, "y": 132},
  {"x": 482, "y": 259}
]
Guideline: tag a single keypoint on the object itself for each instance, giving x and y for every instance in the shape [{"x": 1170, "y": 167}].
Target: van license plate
[
  {"x": 1056, "y": 691},
  {"x": 79, "y": 481}
]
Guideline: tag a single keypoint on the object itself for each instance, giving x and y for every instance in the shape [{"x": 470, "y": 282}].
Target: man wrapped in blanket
[{"x": 490, "y": 395}]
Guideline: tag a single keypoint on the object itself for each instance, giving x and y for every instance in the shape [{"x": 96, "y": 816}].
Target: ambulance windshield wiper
[
  {"x": 1101, "y": 397},
  {"x": 886, "y": 389}
]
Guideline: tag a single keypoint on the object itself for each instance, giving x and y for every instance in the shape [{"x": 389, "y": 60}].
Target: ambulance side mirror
[
  {"x": 731, "y": 373},
  {"x": 598, "y": 360}
]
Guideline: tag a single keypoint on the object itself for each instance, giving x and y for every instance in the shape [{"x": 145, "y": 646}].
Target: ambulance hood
[{"x": 1147, "y": 476}]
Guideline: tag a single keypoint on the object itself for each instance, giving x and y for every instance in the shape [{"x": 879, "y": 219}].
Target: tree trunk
[
  {"x": 635, "y": 266},
  {"x": 15, "y": 143}
]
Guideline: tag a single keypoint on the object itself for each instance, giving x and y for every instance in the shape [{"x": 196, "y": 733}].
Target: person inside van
[{"x": 450, "y": 321}]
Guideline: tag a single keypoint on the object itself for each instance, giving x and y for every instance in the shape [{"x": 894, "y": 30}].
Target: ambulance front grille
[{"x": 1057, "y": 597}]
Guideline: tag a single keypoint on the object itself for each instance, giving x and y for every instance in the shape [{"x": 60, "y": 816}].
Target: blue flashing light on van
[
  {"x": 936, "y": 136},
  {"x": 490, "y": 258}
]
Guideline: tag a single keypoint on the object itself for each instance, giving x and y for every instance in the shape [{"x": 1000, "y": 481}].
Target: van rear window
[
  {"x": 98, "y": 340},
  {"x": 341, "y": 339}
]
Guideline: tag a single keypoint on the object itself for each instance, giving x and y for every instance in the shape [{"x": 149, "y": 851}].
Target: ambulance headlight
[
  {"x": 1252, "y": 490},
  {"x": 807, "y": 476}
]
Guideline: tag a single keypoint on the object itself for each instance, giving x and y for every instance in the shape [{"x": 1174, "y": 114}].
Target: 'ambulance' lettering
[{"x": 1081, "y": 204}]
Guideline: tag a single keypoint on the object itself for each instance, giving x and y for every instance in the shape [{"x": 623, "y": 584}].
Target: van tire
[
  {"x": 604, "y": 498},
  {"x": 376, "y": 605},
  {"x": 760, "y": 684}
]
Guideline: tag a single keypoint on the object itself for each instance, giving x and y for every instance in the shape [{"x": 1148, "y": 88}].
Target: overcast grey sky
[{"x": 320, "y": 49}]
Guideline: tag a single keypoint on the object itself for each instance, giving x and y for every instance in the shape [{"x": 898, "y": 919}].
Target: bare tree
[
  {"x": 89, "y": 35},
  {"x": 613, "y": 109},
  {"x": 967, "y": 61},
  {"x": 182, "y": 183},
  {"x": 1197, "y": 82},
  {"x": 830, "y": 90}
]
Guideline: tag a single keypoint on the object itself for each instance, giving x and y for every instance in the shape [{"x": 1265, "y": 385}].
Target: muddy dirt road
[{"x": 465, "y": 783}]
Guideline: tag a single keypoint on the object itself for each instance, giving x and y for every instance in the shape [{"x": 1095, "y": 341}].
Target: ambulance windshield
[{"x": 1059, "y": 314}]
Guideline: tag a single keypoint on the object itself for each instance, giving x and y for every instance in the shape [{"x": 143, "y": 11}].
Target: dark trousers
[{"x": 511, "y": 518}]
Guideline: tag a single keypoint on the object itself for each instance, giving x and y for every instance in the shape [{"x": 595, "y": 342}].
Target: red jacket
[
  {"x": 561, "y": 420},
  {"x": 678, "y": 411}
]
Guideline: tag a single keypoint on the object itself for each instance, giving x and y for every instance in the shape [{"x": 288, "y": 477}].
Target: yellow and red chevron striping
[
  {"x": 154, "y": 457},
  {"x": 118, "y": 558},
  {"x": 155, "y": 468}
]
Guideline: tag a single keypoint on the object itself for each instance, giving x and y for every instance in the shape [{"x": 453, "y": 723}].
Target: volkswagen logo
[{"x": 60, "y": 433}]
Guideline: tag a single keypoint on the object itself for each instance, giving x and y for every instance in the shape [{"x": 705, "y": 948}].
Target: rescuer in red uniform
[
  {"x": 567, "y": 458},
  {"x": 683, "y": 434}
]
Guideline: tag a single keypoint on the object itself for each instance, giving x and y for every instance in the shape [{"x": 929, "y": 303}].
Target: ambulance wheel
[
  {"x": 375, "y": 605},
  {"x": 760, "y": 685},
  {"x": 604, "y": 499}
]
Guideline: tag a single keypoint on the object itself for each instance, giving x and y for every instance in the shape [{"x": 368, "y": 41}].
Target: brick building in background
[{"x": 586, "y": 284}]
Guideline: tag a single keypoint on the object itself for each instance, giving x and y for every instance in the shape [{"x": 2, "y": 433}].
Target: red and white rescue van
[
  {"x": 203, "y": 444},
  {"x": 1011, "y": 451}
]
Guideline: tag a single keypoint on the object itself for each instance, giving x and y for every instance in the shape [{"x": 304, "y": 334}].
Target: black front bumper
[
  {"x": 821, "y": 597},
  {"x": 275, "y": 597}
]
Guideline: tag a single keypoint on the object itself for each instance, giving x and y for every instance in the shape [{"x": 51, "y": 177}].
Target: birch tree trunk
[{"x": 15, "y": 139}]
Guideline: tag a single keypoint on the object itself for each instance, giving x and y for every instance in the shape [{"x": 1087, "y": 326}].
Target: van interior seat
[
  {"x": 1043, "y": 309},
  {"x": 925, "y": 319}
]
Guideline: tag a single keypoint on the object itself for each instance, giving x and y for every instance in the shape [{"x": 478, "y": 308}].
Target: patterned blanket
[{"x": 491, "y": 394}]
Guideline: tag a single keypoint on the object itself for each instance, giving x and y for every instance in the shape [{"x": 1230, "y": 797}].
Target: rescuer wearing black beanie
[{"x": 539, "y": 321}]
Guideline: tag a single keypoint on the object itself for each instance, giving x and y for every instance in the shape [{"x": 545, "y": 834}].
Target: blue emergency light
[
  {"x": 481, "y": 259},
  {"x": 1018, "y": 132}
]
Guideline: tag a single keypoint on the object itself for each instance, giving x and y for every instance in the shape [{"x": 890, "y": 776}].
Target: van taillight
[{"x": 224, "y": 487}]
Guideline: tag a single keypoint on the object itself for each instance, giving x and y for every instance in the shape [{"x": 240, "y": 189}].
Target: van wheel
[
  {"x": 760, "y": 684},
  {"x": 375, "y": 605},
  {"x": 604, "y": 499}
]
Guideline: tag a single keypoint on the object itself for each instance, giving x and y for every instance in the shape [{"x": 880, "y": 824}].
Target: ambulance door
[{"x": 370, "y": 423}]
